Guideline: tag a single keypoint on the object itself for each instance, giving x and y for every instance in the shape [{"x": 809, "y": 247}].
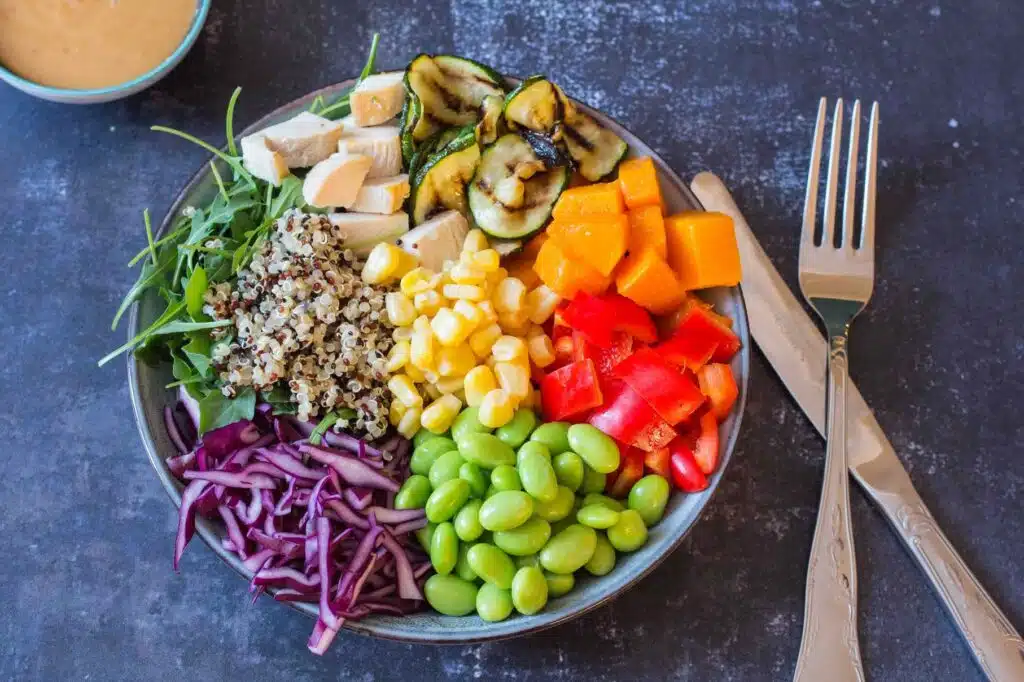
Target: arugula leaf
[
  {"x": 220, "y": 181},
  {"x": 371, "y": 59},
  {"x": 229, "y": 122},
  {"x": 289, "y": 196},
  {"x": 149, "y": 277},
  {"x": 164, "y": 325},
  {"x": 233, "y": 160},
  {"x": 197, "y": 350},
  {"x": 149, "y": 235},
  {"x": 217, "y": 410},
  {"x": 195, "y": 291}
]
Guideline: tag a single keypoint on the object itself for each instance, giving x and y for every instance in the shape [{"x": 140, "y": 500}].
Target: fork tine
[
  {"x": 851, "y": 177},
  {"x": 828, "y": 232},
  {"x": 811, "y": 198},
  {"x": 867, "y": 230}
]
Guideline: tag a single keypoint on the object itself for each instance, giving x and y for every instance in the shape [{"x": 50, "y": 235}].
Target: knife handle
[
  {"x": 993, "y": 641},
  {"x": 829, "y": 649}
]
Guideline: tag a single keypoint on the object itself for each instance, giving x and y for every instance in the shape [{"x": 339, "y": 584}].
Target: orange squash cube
[
  {"x": 599, "y": 199},
  {"x": 648, "y": 281},
  {"x": 647, "y": 230},
  {"x": 638, "y": 180},
  {"x": 598, "y": 241},
  {"x": 702, "y": 249},
  {"x": 567, "y": 276}
]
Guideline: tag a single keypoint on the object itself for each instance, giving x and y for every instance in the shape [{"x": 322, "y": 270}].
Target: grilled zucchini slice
[
  {"x": 440, "y": 183},
  {"x": 451, "y": 89},
  {"x": 595, "y": 149},
  {"x": 490, "y": 125},
  {"x": 513, "y": 192},
  {"x": 537, "y": 104}
]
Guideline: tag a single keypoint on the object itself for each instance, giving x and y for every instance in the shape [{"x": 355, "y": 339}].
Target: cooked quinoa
[{"x": 303, "y": 316}]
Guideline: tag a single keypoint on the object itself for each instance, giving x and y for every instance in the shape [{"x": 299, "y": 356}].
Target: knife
[{"x": 796, "y": 349}]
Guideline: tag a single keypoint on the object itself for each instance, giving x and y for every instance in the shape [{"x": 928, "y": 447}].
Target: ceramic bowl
[
  {"x": 149, "y": 398},
  {"x": 109, "y": 94}
]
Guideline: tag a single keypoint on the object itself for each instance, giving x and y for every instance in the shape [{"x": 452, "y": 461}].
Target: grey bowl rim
[{"x": 205, "y": 527}]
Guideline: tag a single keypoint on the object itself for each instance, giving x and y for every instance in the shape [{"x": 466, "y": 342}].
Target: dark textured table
[{"x": 86, "y": 530}]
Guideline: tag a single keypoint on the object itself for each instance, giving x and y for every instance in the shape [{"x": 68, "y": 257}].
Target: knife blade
[{"x": 796, "y": 350}]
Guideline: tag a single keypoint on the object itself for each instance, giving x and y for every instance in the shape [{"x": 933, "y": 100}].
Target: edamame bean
[
  {"x": 629, "y": 533},
  {"x": 597, "y": 516},
  {"x": 424, "y": 534},
  {"x": 444, "y": 548},
  {"x": 649, "y": 497},
  {"x": 467, "y": 422},
  {"x": 603, "y": 560},
  {"x": 425, "y": 454},
  {"x": 598, "y": 450},
  {"x": 491, "y": 564},
  {"x": 568, "y": 468},
  {"x": 533, "y": 448},
  {"x": 446, "y": 500},
  {"x": 505, "y": 510},
  {"x": 603, "y": 500},
  {"x": 475, "y": 477},
  {"x": 593, "y": 482},
  {"x": 422, "y": 436},
  {"x": 467, "y": 521},
  {"x": 536, "y": 474},
  {"x": 414, "y": 493},
  {"x": 462, "y": 567},
  {"x": 493, "y": 604},
  {"x": 558, "y": 508},
  {"x": 506, "y": 477},
  {"x": 445, "y": 468},
  {"x": 528, "y": 560},
  {"x": 516, "y": 431},
  {"x": 525, "y": 540},
  {"x": 568, "y": 551},
  {"x": 529, "y": 590},
  {"x": 485, "y": 450},
  {"x": 450, "y": 595},
  {"x": 555, "y": 435},
  {"x": 559, "y": 584}
]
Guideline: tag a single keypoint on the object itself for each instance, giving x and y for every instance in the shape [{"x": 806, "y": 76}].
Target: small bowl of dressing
[{"x": 89, "y": 51}]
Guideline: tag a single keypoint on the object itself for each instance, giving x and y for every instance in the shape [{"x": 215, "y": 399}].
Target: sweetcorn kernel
[
  {"x": 508, "y": 348},
  {"x": 487, "y": 260},
  {"x": 466, "y": 274},
  {"x": 404, "y": 390},
  {"x": 488, "y": 311},
  {"x": 479, "y": 382},
  {"x": 513, "y": 379},
  {"x": 416, "y": 280},
  {"x": 483, "y": 339},
  {"x": 428, "y": 302},
  {"x": 414, "y": 373},
  {"x": 398, "y": 357},
  {"x": 541, "y": 304},
  {"x": 399, "y": 308},
  {"x": 440, "y": 414},
  {"x": 475, "y": 241},
  {"x": 516, "y": 324},
  {"x": 396, "y": 411},
  {"x": 496, "y": 409},
  {"x": 432, "y": 391},
  {"x": 509, "y": 295},
  {"x": 410, "y": 422},
  {"x": 450, "y": 328},
  {"x": 450, "y": 384},
  {"x": 455, "y": 361},
  {"x": 466, "y": 292},
  {"x": 542, "y": 351},
  {"x": 470, "y": 312},
  {"x": 421, "y": 349}
]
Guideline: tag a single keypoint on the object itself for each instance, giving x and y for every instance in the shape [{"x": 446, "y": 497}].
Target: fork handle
[{"x": 829, "y": 649}]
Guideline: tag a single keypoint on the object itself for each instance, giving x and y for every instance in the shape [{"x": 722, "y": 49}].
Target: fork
[{"x": 837, "y": 282}]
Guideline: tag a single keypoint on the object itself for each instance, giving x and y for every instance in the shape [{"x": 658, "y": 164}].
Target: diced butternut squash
[
  {"x": 638, "y": 180},
  {"x": 532, "y": 247},
  {"x": 647, "y": 230},
  {"x": 520, "y": 264},
  {"x": 598, "y": 241},
  {"x": 567, "y": 276},
  {"x": 647, "y": 280},
  {"x": 598, "y": 199},
  {"x": 702, "y": 249}
]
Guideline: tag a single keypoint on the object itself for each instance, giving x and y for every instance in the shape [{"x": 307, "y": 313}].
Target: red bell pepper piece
[
  {"x": 564, "y": 350},
  {"x": 686, "y": 473},
  {"x": 701, "y": 335},
  {"x": 631, "y": 470},
  {"x": 598, "y": 317},
  {"x": 569, "y": 391},
  {"x": 705, "y": 447},
  {"x": 657, "y": 462},
  {"x": 605, "y": 359},
  {"x": 627, "y": 417},
  {"x": 673, "y": 395},
  {"x": 719, "y": 385}
]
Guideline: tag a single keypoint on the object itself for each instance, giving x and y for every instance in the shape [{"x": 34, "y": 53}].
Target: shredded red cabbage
[{"x": 312, "y": 523}]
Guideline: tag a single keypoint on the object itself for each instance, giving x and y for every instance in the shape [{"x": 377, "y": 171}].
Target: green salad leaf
[{"x": 208, "y": 245}]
